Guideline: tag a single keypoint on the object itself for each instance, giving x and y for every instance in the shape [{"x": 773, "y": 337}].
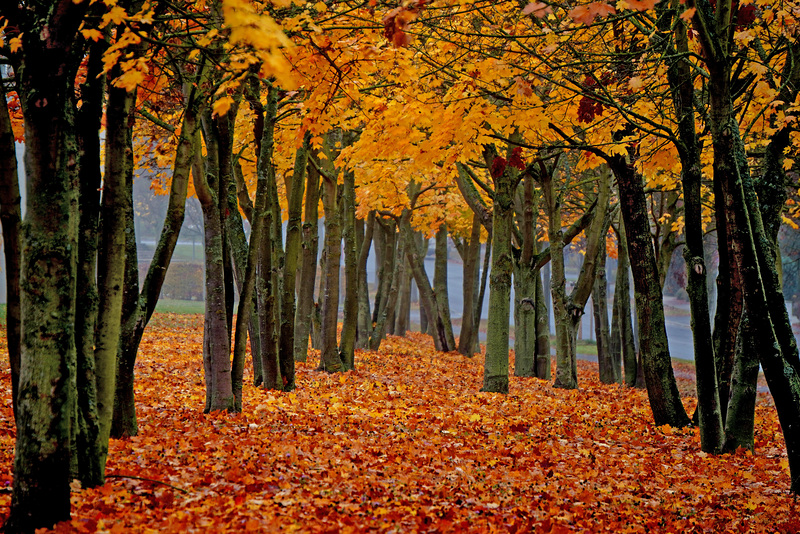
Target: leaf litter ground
[{"x": 407, "y": 443}]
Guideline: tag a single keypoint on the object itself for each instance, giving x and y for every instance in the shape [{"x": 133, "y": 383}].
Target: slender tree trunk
[
  {"x": 86, "y": 447},
  {"x": 427, "y": 296},
  {"x": 625, "y": 358},
  {"x": 308, "y": 267},
  {"x": 364, "y": 316},
  {"x": 291, "y": 261},
  {"x": 440, "y": 284},
  {"x": 111, "y": 261},
  {"x": 543, "y": 366},
  {"x": 330, "y": 360},
  {"x": 138, "y": 307},
  {"x": 347, "y": 343},
  {"x": 216, "y": 340},
  {"x": 708, "y": 400},
  {"x": 403, "y": 314},
  {"x": 398, "y": 273},
  {"x": 267, "y": 307},
  {"x": 472, "y": 254},
  {"x": 257, "y": 231},
  {"x": 609, "y": 374}
]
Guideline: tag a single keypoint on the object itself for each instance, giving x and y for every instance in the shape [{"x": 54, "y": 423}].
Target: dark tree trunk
[
  {"x": 291, "y": 261},
  {"x": 347, "y": 343},
  {"x": 138, "y": 307},
  {"x": 87, "y": 442},
  {"x": 609, "y": 373},
  {"x": 308, "y": 267},
  {"x": 364, "y": 316},
  {"x": 257, "y": 231},
  {"x": 330, "y": 360},
  {"x": 440, "y": 284},
  {"x": 46, "y": 391},
  {"x": 662, "y": 390},
  {"x": 472, "y": 253}
]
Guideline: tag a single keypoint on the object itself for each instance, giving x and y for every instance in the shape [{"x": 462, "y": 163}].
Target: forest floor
[{"x": 407, "y": 443}]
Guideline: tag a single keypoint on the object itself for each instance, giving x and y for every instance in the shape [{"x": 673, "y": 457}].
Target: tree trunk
[
  {"x": 46, "y": 391},
  {"x": 330, "y": 360},
  {"x": 472, "y": 254},
  {"x": 216, "y": 341},
  {"x": 708, "y": 400},
  {"x": 86, "y": 447},
  {"x": 624, "y": 356},
  {"x": 609, "y": 373},
  {"x": 257, "y": 231},
  {"x": 525, "y": 288},
  {"x": 440, "y": 284},
  {"x": 662, "y": 390},
  {"x": 495, "y": 370},
  {"x": 111, "y": 261},
  {"x": 138, "y": 307},
  {"x": 347, "y": 343},
  {"x": 427, "y": 296},
  {"x": 394, "y": 280},
  {"x": 403, "y": 314},
  {"x": 291, "y": 261},
  {"x": 308, "y": 266},
  {"x": 364, "y": 316}
]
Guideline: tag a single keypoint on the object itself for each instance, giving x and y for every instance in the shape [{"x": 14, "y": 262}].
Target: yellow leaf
[
  {"x": 688, "y": 14},
  {"x": 15, "y": 44},
  {"x": 221, "y": 106},
  {"x": 320, "y": 7},
  {"x": 93, "y": 35},
  {"x": 116, "y": 15}
]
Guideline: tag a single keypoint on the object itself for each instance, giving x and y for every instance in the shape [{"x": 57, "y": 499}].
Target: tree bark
[
  {"x": 308, "y": 267},
  {"x": 257, "y": 231},
  {"x": 41, "y": 492},
  {"x": 440, "y": 284},
  {"x": 347, "y": 343},
  {"x": 495, "y": 370},
  {"x": 609, "y": 373},
  {"x": 662, "y": 390}
]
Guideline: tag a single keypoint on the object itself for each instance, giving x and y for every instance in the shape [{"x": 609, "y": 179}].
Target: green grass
[{"x": 180, "y": 306}]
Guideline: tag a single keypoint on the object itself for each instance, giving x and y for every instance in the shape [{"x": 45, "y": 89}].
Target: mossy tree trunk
[
  {"x": 710, "y": 416},
  {"x": 623, "y": 349},
  {"x": 294, "y": 191},
  {"x": 330, "y": 359},
  {"x": 308, "y": 266},
  {"x": 495, "y": 369},
  {"x": 662, "y": 390},
  {"x": 440, "y": 283},
  {"x": 364, "y": 234},
  {"x": 609, "y": 373},
  {"x": 525, "y": 286},
  {"x": 257, "y": 231},
  {"x": 47, "y": 65},
  {"x": 86, "y": 447},
  {"x": 138, "y": 305},
  {"x": 468, "y": 337}
]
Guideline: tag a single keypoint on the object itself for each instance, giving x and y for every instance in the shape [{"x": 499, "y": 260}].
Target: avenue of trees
[{"x": 628, "y": 129}]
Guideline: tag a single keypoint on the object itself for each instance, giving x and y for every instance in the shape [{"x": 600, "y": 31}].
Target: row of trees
[{"x": 524, "y": 127}]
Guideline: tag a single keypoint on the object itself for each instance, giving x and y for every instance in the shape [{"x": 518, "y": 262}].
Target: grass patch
[{"x": 180, "y": 307}]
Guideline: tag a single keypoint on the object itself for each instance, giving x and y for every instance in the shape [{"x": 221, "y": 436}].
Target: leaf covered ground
[{"x": 407, "y": 443}]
